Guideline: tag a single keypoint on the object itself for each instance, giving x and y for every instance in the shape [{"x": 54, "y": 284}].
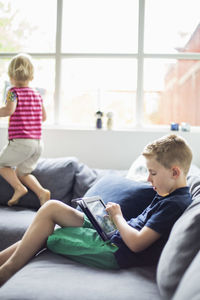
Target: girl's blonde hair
[
  {"x": 170, "y": 150},
  {"x": 21, "y": 68}
]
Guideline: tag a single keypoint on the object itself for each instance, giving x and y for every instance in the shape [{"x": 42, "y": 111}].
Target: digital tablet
[{"x": 94, "y": 208}]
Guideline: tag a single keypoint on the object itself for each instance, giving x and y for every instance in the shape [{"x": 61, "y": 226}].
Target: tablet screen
[{"x": 97, "y": 208}]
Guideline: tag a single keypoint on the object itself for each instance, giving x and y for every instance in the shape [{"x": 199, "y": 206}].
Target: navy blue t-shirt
[{"x": 160, "y": 216}]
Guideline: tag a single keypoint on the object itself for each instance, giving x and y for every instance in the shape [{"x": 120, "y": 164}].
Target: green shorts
[{"x": 84, "y": 245}]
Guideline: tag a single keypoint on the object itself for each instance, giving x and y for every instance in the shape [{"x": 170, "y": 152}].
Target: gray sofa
[{"x": 50, "y": 276}]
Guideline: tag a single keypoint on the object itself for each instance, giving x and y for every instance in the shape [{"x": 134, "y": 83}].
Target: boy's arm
[
  {"x": 135, "y": 240},
  {"x": 8, "y": 109}
]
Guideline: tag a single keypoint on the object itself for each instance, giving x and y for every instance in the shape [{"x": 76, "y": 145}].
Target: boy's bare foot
[
  {"x": 44, "y": 196},
  {"x": 19, "y": 192}
]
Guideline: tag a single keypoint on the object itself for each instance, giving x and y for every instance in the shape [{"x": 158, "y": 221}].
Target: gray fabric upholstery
[
  {"x": 55, "y": 174},
  {"x": 194, "y": 183},
  {"x": 189, "y": 287},
  {"x": 13, "y": 223},
  {"x": 86, "y": 177},
  {"x": 50, "y": 276},
  {"x": 58, "y": 175},
  {"x": 133, "y": 197},
  {"x": 178, "y": 253}
]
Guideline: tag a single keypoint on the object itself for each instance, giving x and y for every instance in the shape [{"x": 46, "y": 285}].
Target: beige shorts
[{"x": 22, "y": 154}]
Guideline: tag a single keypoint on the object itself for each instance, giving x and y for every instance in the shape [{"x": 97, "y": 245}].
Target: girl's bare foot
[
  {"x": 18, "y": 193},
  {"x": 44, "y": 196}
]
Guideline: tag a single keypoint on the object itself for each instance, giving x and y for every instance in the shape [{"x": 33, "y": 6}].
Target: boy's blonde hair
[
  {"x": 21, "y": 68},
  {"x": 170, "y": 150}
]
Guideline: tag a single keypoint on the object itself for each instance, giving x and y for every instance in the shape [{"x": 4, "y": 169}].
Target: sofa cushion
[
  {"x": 193, "y": 182},
  {"x": 132, "y": 196},
  {"x": 84, "y": 179},
  {"x": 138, "y": 170},
  {"x": 49, "y": 276},
  {"x": 55, "y": 174},
  {"x": 14, "y": 222},
  {"x": 189, "y": 287},
  {"x": 179, "y": 251}
]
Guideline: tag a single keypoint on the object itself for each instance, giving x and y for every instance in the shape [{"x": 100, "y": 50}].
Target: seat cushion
[
  {"x": 14, "y": 222},
  {"x": 50, "y": 276}
]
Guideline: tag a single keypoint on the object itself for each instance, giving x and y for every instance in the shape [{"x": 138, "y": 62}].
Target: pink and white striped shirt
[{"x": 26, "y": 121}]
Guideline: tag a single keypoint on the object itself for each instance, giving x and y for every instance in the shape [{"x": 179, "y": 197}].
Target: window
[
  {"x": 136, "y": 58},
  {"x": 25, "y": 27},
  {"x": 100, "y": 26},
  {"x": 28, "y": 26},
  {"x": 107, "y": 85},
  {"x": 169, "y": 25},
  {"x": 172, "y": 94},
  {"x": 171, "y": 62}
]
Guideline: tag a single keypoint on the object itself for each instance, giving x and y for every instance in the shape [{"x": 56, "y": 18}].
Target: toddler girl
[{"x": 25, "y": 108}]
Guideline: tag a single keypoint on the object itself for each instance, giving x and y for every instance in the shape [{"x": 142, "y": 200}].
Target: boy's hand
[{"x": 114, "y": 210}]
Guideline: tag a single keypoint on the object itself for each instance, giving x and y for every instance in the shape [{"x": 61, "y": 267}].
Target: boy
[{"x": 138, "y": 241}]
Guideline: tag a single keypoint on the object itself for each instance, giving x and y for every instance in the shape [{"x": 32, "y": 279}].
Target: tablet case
[{"x": 98, "y": 228}]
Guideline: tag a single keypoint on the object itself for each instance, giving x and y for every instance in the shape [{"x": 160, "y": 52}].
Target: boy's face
[{"x": 161, "y": 178}]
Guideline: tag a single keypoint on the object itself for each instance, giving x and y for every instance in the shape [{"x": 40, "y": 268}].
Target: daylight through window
[{"x": 139, "y": 59}]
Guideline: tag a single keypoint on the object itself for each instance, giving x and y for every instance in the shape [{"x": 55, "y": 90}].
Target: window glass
[
  {"x": 3, "y": 79},
  {"x": 44, "y": 78},
  {"x": 172, "y": 94},
  {"x": 170, "y": 89},
  {"x": 172, "y": 26},
  {"x": 27, "y": 26},
  {"x": 89, "y": 85},
  {"x": 100, "y": 26}
]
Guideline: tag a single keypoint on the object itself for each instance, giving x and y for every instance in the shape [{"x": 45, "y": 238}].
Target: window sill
[{"x": 152, "y": 129}]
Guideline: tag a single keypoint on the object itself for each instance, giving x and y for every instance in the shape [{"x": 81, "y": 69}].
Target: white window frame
[{"x": 140, "y": 56}]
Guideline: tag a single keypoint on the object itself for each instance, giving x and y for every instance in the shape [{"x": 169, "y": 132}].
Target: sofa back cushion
[
  {"x": 55, "y": 174},
  {"x": 85, "y": 177},
  {"x": 193, "y": 182},
  {"x": 189, "y": 287},
  {"x": 132, "y": 196},
  {"x": 180, "y": 249}
]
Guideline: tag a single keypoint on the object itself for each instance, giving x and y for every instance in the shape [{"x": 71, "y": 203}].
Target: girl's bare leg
[
  {"x": 51, "y": 213},
  {"x": 19, "y": 189},
  {"x": 31, "y": 181}
]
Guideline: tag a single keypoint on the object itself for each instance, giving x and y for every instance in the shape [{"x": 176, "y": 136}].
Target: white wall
[{"x": 101, "y": 148}]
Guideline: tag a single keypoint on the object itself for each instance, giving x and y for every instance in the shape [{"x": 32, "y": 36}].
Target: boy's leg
[
  {"x": 53, "y": 212},
  {"x": 5, "y": 254},
  {"x": 10, "y": 176},
  {"x": 32, "y": 183}
]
